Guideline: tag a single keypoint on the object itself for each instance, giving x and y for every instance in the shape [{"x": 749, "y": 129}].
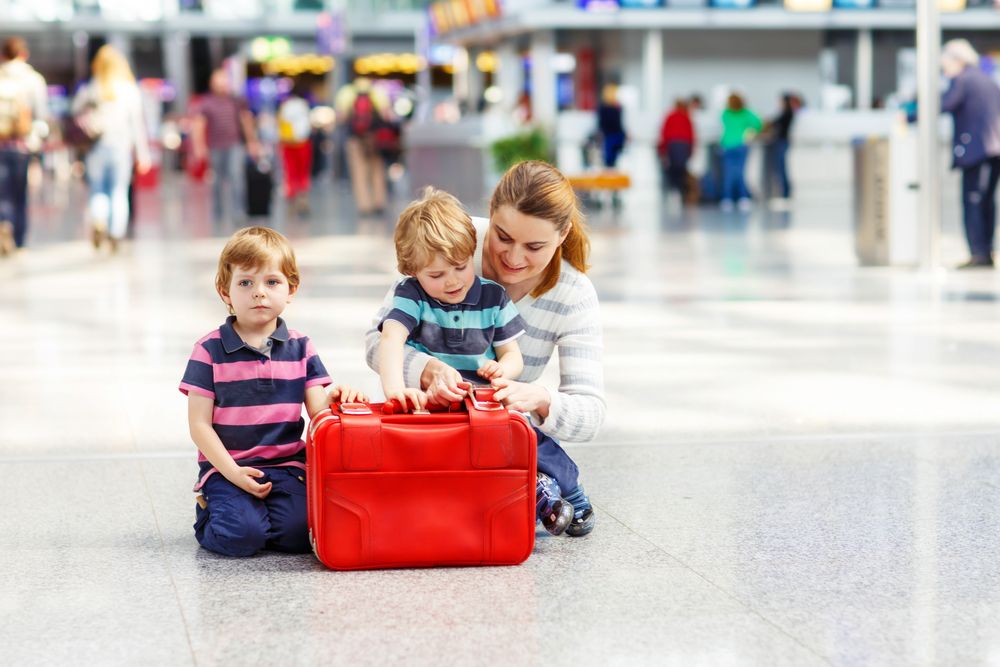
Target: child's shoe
[
  {"x": 554, "y": 512},
  {"x": 583, "y": 515}
]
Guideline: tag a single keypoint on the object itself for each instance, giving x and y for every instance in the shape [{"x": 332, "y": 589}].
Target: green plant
[{"x": 530, "y": 145}]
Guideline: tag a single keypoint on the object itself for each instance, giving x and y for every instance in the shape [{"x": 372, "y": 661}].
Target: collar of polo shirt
[
  {"x": 471, "y": 297},
  {"x": 231, "y": 340}
]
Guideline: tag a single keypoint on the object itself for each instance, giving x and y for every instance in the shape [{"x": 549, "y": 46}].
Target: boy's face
[
  {"x": 258, "y": 295},
  {"x": 446, "y": 282}
]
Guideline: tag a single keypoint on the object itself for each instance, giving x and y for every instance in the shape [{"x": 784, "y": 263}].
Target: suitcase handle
[{"x": 478, "y": 398}]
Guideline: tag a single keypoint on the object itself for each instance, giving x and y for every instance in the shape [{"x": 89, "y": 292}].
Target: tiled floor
[{"x": 801, "y": 463}]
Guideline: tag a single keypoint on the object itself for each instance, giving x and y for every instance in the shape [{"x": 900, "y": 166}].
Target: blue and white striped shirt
[{"x": 462, "y": 335}]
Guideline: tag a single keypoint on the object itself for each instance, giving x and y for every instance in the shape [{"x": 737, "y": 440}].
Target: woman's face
[{"x": 519, "y": 246}]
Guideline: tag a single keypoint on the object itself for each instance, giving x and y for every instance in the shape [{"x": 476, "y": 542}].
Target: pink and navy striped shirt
[{"x": 258, "y": 395}]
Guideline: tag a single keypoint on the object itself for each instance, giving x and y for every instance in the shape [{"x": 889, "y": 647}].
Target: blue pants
[
  {"x": 234, "y": 523},
  {"x": 613, "y": 145},
  {"x": 14, "y": 192},
  {"x": 109, "y": 172},
  {"x": 556, "y": 463},
  {"x": 979, "y": 186},
  {"x": 734, "y": 161},
  {"x": 780, "y": 148}
]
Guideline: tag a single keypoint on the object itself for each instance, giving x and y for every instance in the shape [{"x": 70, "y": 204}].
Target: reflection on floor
[{"x": 800, "y": 463}]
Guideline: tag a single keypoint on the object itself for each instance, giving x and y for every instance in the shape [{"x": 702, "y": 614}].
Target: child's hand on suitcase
[
  {"x": 490, "y": 370},
  {"x": 407, "y": 398},
  {"x": 346, "y": 394},
  {"x": 246, "y": 479}
]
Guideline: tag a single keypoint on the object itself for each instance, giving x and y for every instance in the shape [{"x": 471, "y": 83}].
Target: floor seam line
[{"x": 719, "y": 588}]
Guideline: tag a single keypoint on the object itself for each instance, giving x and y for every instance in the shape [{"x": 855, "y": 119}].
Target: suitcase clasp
[{"x": 355, "y": 409}]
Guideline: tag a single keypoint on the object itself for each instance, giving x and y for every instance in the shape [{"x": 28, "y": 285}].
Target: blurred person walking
[
  {"x": 739, "y": 126},
  {"x": 362, "y": 108},
  {"x": 973, "y": 100},
  {"x": 610, "y": 125},
  {"x": 676, "y": 146},
  {"x": 112, "y": 105},
  {"x": 223, "y": 123},
  {"x": 778, "y": 131},
  {"x": 295, "y": 138},
  {"x": 23, "y": 112}
]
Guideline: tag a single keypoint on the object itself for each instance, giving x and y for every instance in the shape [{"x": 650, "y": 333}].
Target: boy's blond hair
[
  {"x": 435, "y": 224},
  {"x": 252, "y": 248}
]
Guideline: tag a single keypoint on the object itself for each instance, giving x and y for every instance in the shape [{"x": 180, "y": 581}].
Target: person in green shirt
[{"x": 739, "y": 126}]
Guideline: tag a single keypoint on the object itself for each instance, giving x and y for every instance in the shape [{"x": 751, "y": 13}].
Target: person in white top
[
  {"x": 113, "y": 107},
  {"x": 536, "y": 246}
]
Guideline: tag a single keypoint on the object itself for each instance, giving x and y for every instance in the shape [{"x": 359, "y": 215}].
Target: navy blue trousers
[
  {"x": 234, "y": 523},
  {"x": 556, "y": 463},
  {"x": 14, "y": 192},
  {"x": 979, "y": 186}
]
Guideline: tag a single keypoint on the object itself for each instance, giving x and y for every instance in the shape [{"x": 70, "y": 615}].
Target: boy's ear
[
  {"x": 225, "y": 297},
  {"x": 292, "y": 289}
]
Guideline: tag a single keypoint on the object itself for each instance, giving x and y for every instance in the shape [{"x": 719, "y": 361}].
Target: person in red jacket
[{"x": 676, "y": 145}]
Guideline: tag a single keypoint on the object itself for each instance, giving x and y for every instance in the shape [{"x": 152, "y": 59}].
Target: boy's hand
[
  {"x": 408, "y": 397},
  {"x": 246, "y": 479},
  {"x": 490, "y": 370},
  {"x": 346, "y": 394}
]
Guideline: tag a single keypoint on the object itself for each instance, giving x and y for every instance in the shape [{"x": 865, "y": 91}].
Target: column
[
  {"x": 863, "y": 63},
  {"x": 475, "y": 81},
  {"x": 510, "y": 76},
  {"x": 928, "y": 149},
  {"x": 460, "y": 76},
  {"x": 543, "y": 79},
  {"x": 652, "y": 73},
  {"x": 177, "y": 65}
]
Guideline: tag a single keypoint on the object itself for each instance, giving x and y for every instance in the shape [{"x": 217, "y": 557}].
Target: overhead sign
[{"x": 448, "y": 15}]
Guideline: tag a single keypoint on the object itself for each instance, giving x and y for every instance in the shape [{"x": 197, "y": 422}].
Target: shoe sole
[{"x": 583, "y": 528}]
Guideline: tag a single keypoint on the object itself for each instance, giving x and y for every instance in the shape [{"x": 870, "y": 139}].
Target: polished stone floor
[{"x": 801, "y": 462}]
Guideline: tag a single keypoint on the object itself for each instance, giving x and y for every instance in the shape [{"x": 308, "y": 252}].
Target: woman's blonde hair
[
  {"x": 435, "y": 224},
  {"x": 253, "y": 248},
  {"x": 539, "y": 190},
  {"x": 109, "y": 67}
]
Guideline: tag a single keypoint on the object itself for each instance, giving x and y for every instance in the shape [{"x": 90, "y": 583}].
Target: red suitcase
[{"x": 421, "y": 490}]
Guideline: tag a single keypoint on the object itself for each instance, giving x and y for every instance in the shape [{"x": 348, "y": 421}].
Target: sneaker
[
  {"x": 554, "y": 512},
  {"x": 98, "y": 231},
  {"x": 7, "y": 245},
  {"x": 583, "y": 514},
  {"x": 726, "y": 205},
  {"x": 977, "y": 263},
  {"x": 745, "y": 205}
]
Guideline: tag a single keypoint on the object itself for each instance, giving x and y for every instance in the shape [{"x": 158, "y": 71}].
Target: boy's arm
[
  {"x": 316, "y": 400},
  {"x": 200, "y": 409},
  {"x": 390, "y": 363},
  {"x": 508, "y": 364}
]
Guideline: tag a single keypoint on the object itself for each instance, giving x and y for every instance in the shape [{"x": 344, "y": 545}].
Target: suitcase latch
[{"x": 355, "y": 409}]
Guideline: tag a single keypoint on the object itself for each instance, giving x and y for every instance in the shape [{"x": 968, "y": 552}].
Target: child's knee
[{"x": 233, "y": 528}]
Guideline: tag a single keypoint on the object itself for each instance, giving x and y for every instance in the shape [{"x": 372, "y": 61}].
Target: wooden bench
[{"x": 600, "y": 180}]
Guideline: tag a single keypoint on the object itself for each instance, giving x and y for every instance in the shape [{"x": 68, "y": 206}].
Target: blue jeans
[
  {"x": 109, "y": 172},
  {"x": 734, "y": 160},
  {"x": 234, "y": 523},
  {"x": 14, "y": 192},
  {"x": 613, "y": 145},
  {"x": 979, "y": 186},
  {"x": 556, "y": 463},
  {"x": 228, "y": 165}
]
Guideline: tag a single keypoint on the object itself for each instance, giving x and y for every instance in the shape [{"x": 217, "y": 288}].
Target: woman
[
  {"x": 676, "y": 146},
  {"x": 609, "y": 123},
  {"x": 739, "y": 126},
  {"x": 112, "y": 109},
  {"x": 779, "y": 131},
  {"x": 536, "y": 246},
  {"x": 973, "y": 100},
  {"x": 295, "y": 137}
]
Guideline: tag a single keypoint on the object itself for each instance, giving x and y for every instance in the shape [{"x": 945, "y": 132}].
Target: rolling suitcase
[
  {"x": 389, "y": 490},
  {"x": 259, "y": 184}
]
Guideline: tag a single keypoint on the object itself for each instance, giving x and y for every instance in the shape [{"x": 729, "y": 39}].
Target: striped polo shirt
[
  {"x": 258, "y": 395},
  {"x": 461, "y": 335}
]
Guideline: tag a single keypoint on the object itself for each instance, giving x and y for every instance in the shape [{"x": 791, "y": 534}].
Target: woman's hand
[
  {"x": 522, "y": 396},
  {"x": 443, "y": 383},
  {"x": 246, "y": 479}
]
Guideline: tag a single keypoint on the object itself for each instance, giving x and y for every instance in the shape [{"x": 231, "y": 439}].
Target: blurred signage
[
  {"x": 808, "y": 5},
  {"x": 598, "y": 5},
  {"x": 447, "y": 15},
  {"x": 263, "y": 49},
  {"x": 951, "y": 5},
  {"x": 853, "y": 4},
  {"x": 331, "y": 34},
  {"x": 640, "y": 4},
  {"x": 733, "y": 4}
]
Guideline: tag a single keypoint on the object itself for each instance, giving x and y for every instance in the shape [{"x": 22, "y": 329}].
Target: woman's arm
[{"x": 954, "y": 96}]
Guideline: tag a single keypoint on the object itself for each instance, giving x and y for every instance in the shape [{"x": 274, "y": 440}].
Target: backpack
[
  {"x": 15, "y": 113},
  {"x": 362, "y": 115}
]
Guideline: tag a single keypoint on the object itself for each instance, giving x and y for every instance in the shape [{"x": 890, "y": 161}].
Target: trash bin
[{"x": 885, "y": 199}]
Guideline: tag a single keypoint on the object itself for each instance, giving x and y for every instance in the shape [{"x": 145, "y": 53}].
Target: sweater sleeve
[
  {"x": 577, "y": 409},
  {"x": 413, "y": 361}
]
